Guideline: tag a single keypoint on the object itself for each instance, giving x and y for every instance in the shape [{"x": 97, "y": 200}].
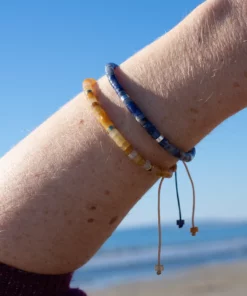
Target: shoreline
[{"x": 226, "y": 279}]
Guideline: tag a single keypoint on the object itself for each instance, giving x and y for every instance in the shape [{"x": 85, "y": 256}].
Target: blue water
[{"x": 132, "y": 253}]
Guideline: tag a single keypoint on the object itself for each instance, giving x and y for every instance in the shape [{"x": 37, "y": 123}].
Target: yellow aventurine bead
[
  {"x": 88, "y": 84},
  {"x": 125, "y": 145},
  {"x": 139, "y": 160},
  {"x": 106, "y": 122},
  {"x": 114, "y": 134},
  {"x": 117, "y": 137},
  {"x": 100, "y": 113},
  {"x": 128, "y": 150},
  {"x": 121, "y": 142},
  {"x": 92, "y": 97}
]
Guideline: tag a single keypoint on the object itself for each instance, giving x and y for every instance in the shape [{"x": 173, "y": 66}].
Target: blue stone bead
[
  {"x": 126, "y": 99},
  {"x": 164, "y": 143},
  {"x": 176, "y": 153},
  {"x": 133, "y": 108},
  {"x": 151, "y": 129}
]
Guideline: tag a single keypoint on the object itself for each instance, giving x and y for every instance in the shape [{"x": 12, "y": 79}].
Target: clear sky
[{"x": 48, "y": 47}]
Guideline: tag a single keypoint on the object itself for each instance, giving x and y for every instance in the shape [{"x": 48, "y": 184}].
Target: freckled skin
[
  {"x": 79, "y": 161},
  {"x": 193, "y": 110},
  {"x": 114, "y": 219},
  {"x": 91, "y": 220},
  {"x": 37, "y": 175},
  {"x": 236, "y": 84}
]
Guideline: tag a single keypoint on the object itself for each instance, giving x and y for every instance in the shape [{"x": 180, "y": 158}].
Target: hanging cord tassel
[
  {"x": 180, "y": 222},
  {"x": 159, "y": 267},
  {"x": 194, "y": 229}
]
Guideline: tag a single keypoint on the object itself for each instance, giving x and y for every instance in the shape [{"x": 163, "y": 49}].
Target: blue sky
[{"x": 48, "y": 47}]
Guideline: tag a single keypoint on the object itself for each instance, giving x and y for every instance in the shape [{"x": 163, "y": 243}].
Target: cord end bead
[
  {"x": 159, "y": 268},
  {"x": 180, "y": 223},
  {"x": 194, "y": 230}
]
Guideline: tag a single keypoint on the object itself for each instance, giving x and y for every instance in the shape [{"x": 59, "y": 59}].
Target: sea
[{"x": 131, "y": 254}]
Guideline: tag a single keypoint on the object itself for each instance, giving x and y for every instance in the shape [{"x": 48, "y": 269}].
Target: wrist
[
  {"x": 128, "y": 126},
  {"x": 185, "y": 92}
]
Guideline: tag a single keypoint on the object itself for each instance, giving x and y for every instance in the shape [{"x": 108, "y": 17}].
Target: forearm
[{"x": 66, "y": 187}]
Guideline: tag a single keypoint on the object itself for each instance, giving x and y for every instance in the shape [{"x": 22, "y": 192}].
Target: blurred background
[{"x": 46, "y": 49}]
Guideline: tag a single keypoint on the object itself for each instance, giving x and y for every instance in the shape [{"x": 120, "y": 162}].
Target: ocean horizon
[{"x": 130, "y": 254}]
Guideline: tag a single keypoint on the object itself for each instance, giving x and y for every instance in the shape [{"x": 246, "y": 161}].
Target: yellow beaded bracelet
[
  {"x": 117, "y": 137},
  {"x": 126, "y": 147}
]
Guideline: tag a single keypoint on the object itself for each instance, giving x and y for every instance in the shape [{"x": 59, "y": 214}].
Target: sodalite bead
[
  {"x": 150, "y": 128},
  {"x": 143, "y": 120}
]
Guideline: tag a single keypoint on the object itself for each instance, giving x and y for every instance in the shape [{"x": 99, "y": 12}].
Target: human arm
[{"x": 66, "y": 187}]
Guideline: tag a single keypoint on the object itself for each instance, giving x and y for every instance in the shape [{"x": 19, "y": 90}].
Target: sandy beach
[{"x": 218, "y": 280}]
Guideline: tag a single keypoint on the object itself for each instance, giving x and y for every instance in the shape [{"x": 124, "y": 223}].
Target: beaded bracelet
[
  {"x": 143, "y": 120},
  {"x": 117, "y": 137},
  {"x": 126, "y": 147}
]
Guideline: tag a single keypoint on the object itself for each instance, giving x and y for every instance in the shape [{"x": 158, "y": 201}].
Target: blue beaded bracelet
[{"x": 143, "y": 120}]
